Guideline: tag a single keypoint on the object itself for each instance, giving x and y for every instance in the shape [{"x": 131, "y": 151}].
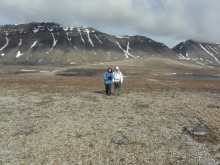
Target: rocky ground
[{"x": 47, "y": 119}]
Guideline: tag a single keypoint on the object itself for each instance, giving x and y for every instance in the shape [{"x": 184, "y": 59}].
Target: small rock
[
  {"x": 196, "y": 130},
  {"x": 119, "y": 139},
  {"x": 6, "y": 112},
  {"x": 183, "y": 138},
  {"x": 74, "y": 133},
  {"x": 26, "y": 129},
  {"x": 213, "y": 106},
  {"x": 201, "y": 119},
  {"x": 39, "y": 115},
  {"x": 203, "y": 124},
  {"x": 2, "y": 120}
]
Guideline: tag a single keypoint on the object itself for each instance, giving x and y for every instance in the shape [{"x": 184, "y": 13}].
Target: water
[{"x": 186, "y": 78}]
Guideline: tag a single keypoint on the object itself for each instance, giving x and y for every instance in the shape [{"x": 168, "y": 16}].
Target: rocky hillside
[
  {"x": 201, "y": 53},
  {"x": 52, "y": 43}
]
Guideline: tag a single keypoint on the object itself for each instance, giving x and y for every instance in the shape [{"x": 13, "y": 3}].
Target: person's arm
[
  {"x": 121, "y": 77},
  {"x": 113, "y": 77},
  {"x": 104, "y": 76}
]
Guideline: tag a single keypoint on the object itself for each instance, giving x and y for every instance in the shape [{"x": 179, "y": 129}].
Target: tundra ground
[{"x": 48, "y": 119}]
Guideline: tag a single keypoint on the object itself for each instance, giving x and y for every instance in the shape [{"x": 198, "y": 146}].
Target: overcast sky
[{"x": 167, "y": 21}]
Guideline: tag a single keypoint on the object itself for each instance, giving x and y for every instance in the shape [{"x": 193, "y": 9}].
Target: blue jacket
[{"x": 109, "y": 77}]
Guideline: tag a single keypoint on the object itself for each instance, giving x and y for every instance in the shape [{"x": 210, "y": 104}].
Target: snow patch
[
  {"x": 213, "y": 49},
  {"x": 209, "y": 61},
  {"x": 182, "y": 57},
  {"x": 69, "y": 39},
  {"x": 66, "y": 28},
  {"x": 98, "y": 39},
  {"x": 40, "y": 60},
  {"x": 36, "y": 30},
  {"x": 7, "y": 41},
  {"x": 75, "y": 47},
  {"x": 44, "y": 71},
  {"x": 19, "y": 54},
  {"x": 204, "y": 64},
  {"x": 50, "y": 29},
  {"x": 23, "y": 70},
  {"x": 121, "y": 37},
  {"x": 73, "y": 63},
  {"x": 2, "y": 54},
  {"x": 126, "y": 52},
  {"x": 208, "y": 52},
  {"x": 87, "y": 30},
  {"x": 140, "y": 39},
  {"x": 54, "y": 42},
  {"x": 20, "y": 42},
  {"x": 81, "y": 35},
  {"x": 170, "y": 73},
  {"x": 33, "y": 44}
]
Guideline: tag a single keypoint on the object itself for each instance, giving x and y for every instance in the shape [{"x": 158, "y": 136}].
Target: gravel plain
[{"x": 47, "y": 119}]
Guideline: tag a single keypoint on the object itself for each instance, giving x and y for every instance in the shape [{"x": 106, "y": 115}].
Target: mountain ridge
[{"x": 46, "y": 43}]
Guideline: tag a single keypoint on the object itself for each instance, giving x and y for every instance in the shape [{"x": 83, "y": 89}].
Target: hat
[{"x": 117, "y": 68}]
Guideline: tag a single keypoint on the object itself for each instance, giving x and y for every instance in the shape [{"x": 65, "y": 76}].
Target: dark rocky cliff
[{"x": 52, "y": 43}]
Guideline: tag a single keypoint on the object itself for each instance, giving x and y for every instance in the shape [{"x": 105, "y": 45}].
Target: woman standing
[
  {"x": 108, "y": 77},
  {"x": 118, "y": 79}
]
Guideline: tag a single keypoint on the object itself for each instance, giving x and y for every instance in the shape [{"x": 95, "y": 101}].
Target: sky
[{"x": 166, "y": 21}]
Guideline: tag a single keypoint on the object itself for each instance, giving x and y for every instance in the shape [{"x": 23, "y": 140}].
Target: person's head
[
  {"x": 117, "y": 68},
  {"x": 109, "y": 70}
]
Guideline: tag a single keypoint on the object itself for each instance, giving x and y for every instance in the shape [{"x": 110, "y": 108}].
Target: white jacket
[{"x": 118, "y": 76}]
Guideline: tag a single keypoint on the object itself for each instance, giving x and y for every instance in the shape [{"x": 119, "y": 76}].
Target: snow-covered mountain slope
[
  {"x": 205, "y": 54},
  {"x": 52, "y": 43}
]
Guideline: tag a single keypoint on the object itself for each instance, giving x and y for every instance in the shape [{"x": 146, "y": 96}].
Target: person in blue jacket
[{"x": 108, "y": 77}]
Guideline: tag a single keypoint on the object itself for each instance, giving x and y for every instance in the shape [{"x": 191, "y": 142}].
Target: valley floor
[{"x": 47, "y": 119}]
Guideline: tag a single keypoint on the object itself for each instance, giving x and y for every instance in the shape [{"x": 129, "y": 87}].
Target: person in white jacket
[{"x": 118, "y": 80}]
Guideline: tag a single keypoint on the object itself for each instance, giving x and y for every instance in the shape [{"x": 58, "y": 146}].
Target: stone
[
  {"x": 202, "y": 124},
  {"x": 201, "y": 119},
  {"x": 39, "y": 115},
  {"x": 183, "y": 138},
  {"x": 213, "y": 106},
  {"x": 119, "y": 139},
  {"x": 196, "y": 130},
  {"x": 74, "y": 134},
  {"x": 26, "y": 129}
]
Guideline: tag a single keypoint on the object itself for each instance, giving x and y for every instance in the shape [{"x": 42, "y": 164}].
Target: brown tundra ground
[{"x": 48, "y": 119}]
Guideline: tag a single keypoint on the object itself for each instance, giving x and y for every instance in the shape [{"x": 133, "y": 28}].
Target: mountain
[
  {"x": 201, "y": 53},
  {"x": 51, "y": 43}
]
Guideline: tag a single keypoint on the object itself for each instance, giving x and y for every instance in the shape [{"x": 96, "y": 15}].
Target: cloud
[{"x": 182, "y": 19}]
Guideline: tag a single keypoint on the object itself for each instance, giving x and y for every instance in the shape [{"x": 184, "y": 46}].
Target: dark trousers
[
  {"x": 117, "y": 85},
  {"x": 108, "y": 89}
]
